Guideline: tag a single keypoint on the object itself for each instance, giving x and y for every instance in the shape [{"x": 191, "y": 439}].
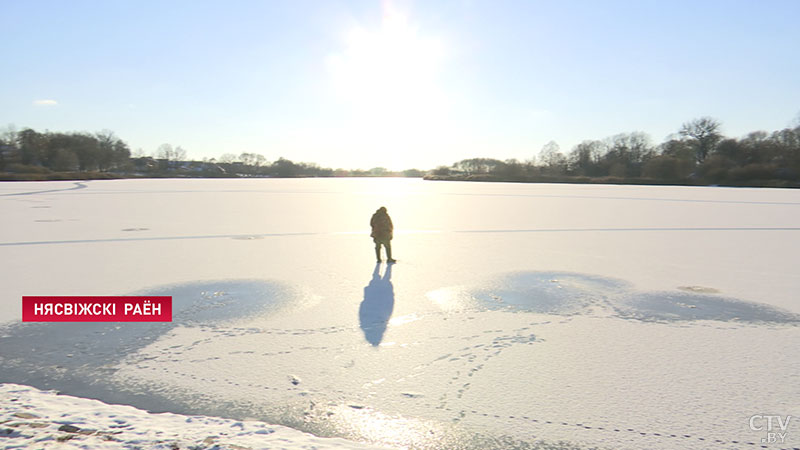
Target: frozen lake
[{"x": 518, "y": 315}]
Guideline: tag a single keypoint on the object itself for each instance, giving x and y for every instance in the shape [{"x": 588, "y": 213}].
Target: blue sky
[{"x": 359, "y": 84}]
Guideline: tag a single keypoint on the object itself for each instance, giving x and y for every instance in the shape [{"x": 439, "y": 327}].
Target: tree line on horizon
[
  {"x": 697, "y": 154},
  {"x": 29, "y": 151},
  {"x": 31, "y": 155}
]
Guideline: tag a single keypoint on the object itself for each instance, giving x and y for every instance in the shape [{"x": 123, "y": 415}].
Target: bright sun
[{"x": 389, "y": 78}]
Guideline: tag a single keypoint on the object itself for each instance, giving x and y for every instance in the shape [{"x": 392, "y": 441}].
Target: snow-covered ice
[
  {"x": 31, "y": 418},
  {"x": 518, "y": 316}
]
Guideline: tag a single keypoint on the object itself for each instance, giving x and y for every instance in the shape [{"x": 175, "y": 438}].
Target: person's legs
[{"x": 388, "y": 245}]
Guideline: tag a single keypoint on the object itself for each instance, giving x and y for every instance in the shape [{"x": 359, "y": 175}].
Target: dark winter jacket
[{"x": 382, "y": 228}]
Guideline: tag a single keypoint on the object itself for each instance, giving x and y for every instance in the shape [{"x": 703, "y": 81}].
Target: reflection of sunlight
[
  {"x": 450, "y": 298},
  {"x": 394, "y": 188},
  {"x": 402, "y": 198},
  {"x": 379, "y": 428},
  {"x": 402, "y": 320}
]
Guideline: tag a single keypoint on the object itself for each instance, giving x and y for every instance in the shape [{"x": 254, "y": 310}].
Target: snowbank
[{"x": 30, "y": 418}]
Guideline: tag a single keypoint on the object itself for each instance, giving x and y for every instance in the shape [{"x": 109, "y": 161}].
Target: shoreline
[
  {"x": 30, "y": 417},
  {"x": 485, "y": 178}
]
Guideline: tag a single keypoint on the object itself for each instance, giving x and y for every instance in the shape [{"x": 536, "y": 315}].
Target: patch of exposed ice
[{"x": 574, "y": 293}]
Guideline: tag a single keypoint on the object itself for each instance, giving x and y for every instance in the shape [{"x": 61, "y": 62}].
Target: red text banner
[{"x": 96, "y": 309}]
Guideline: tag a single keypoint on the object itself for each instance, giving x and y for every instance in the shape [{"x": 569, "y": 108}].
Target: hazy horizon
[{"x": 399, "y": 84}]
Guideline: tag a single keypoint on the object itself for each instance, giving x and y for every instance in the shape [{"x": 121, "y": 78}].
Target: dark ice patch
[
  {"x": 66, "y": 354},
  {"x": 545, "y": 292},
  {"x": 200, "y": 303},
  {"x": 671, "y": 306},
  {"x": 565, "y": 293},
  {"x": 538, "y": 292}
]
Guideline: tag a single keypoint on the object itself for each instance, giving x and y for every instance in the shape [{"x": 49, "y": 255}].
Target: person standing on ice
[{"x": 382, "y": 230}]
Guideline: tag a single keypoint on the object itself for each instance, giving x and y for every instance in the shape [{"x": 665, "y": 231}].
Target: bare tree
[
  {"x": 796, "y": 122},
  {"x": 247, "y": 159},
  {"x": 180, "y": 154},
  {"x": 170, "y": 155},
  {"x": 228, "y": 158},
  {"x": 9, "y": 147},
  {"x": 705, "y": 135},
  {"x": 584, "y": 157},
  {"x": 260, "y": 160},
  {"x": 165, "y": 151},
  {"x": 551, "y": 155}
]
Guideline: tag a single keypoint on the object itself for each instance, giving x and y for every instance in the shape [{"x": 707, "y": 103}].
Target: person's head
[{"x": 382, "y": 210}]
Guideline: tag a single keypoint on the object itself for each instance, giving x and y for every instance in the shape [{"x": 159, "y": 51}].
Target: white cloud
[{"x": 45, "y": 103}]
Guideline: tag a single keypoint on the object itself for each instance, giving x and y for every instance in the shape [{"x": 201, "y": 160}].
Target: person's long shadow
[{"x": 376, "y": 309}]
